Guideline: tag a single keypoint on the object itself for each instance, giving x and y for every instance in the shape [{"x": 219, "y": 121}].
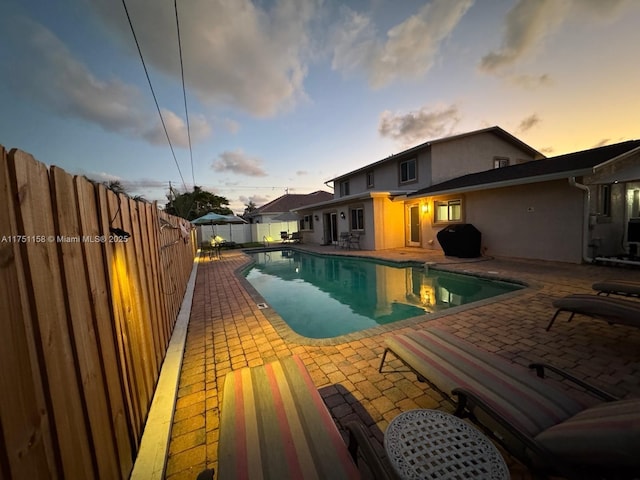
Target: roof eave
[
  {"x": 350, "y": 199},
  {"x": 506, "y": 183}
]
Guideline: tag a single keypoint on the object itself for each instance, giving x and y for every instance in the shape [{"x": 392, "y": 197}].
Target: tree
[
  {"x": 191, "y": 205},
  {"x": 248, "y": 208}
]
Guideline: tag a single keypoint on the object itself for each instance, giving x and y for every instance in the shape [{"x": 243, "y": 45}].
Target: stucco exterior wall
[
  {"x": 387, "y": 177},
  {"x": 472, "y": 154},
  {"x": 538, "y": 221}
]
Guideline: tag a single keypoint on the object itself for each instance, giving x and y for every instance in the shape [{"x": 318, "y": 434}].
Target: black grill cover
[{"x": 461, "y": 240}]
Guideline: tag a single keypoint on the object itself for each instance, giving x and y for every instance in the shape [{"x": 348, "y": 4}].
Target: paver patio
[{"x": 228, "y": 331}]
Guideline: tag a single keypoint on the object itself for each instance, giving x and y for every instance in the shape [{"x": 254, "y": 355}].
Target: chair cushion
[
  {"x": 521, "y": 398},
  {"x": 606, "y": 435},
  {"x": 274, "y": 424}
]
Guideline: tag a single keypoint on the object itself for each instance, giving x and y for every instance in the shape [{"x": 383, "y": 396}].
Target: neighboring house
[
  {"x": 284, "y": 204},
  {"x": 372, "y": 200},
  {"x": 568, "y": 208}
]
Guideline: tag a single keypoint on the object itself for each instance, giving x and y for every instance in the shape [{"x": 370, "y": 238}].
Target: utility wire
[
  {"x": 184, "y": 91},
  {"x": 146, "y": 72}
]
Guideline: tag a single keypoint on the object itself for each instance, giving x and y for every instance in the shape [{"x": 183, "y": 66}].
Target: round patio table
[{"x": 436, "y": 445}]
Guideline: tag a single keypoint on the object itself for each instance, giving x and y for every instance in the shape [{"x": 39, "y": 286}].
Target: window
[
  {"x": 604, "y": 200},
  {"x": 369, "y": 179},
  {"x": 448, "y": 211},
  {"x": 408, "y": 171},
  {"x": 306, "y": 223},
  {"x": 500, "y": 162},
  {"x": 344, "y": 188},
  {"x": 357, "y": 219}
]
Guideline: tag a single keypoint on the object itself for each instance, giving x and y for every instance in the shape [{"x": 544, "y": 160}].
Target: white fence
[{"x": 245, "y": 233}]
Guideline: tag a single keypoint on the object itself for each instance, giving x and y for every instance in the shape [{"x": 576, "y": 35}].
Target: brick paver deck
[{"x": 227, "y": 331}]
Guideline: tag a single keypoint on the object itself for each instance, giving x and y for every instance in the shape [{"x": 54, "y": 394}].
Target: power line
[
  {"x": 184, "y": 91},
  {"x": 146, "y": 72}
]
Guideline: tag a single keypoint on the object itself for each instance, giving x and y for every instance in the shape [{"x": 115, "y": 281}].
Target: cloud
[
  {"x": 528, "y": 123},
  {"x": 258, "y": 200},
  {"x": 177, "y": 129},
  {"x": 239, "y": 163},
  {"x": 419, "y": 126},
  {"x": 240, "y": 53},
  {"x": 409, "y": 49},
  {"x": 529, "y": 23},
  {"x": 45, "y": 71},
  {"x": 530, "y": 82}
]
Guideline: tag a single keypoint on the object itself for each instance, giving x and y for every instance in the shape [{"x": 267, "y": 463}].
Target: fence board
[
  {"x": 103, "y": 317},
  {"x": 81, "y": 322},
  {"x": 41, "y": 262},
  {"x": 27, "y": 448},
  {"x": 122, "y": 307}
]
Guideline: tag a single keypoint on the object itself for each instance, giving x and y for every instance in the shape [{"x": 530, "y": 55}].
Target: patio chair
[
  {"x": 535, "y": 419},
  {"x": 354, "y": 240},
  {"x": 611, "y": 310},
  {"x": 296, "y": 237},
  {"x": 617, "y": 287},
  {"x": 343, "y": 239}
]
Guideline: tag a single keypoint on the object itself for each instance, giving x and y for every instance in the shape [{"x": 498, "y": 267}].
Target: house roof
[
  {"x": 562, "y": 166},
  {"x": 291, "y": 201},
  {"x": 412, "y": 151}
]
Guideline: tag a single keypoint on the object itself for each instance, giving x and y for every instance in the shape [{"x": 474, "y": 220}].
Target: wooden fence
[{"x": 85, "y": 319}]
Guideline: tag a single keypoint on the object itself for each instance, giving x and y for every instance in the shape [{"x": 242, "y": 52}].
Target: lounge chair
[
  {"x": 611, "y": 310},
  {"x": 535, "y": 419},
  {"x": 617, "y": 287},
  {"x": 274, "y": 424},
  {"x": 295, "y": 237}
]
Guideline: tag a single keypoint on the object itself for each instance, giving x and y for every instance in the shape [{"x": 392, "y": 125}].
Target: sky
[{"x": 285, "y": 95}]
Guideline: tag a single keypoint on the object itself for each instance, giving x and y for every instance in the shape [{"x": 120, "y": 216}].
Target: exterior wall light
[
  {"x": 316, "y": 217},
  {"x": 425, "y": 208},
  {"x": 342, "y": 216}
]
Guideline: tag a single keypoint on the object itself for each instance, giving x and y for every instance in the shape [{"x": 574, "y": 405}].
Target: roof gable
[
  {"x": 571, "y": 164},
  {"x": 413, "y": 150}
]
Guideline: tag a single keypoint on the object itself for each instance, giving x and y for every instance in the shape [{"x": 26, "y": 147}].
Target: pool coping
[{"x": 289, "y": 335}]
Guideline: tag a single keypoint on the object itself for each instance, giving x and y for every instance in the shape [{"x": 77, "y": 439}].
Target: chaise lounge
[
  {"x": 536, "y": 420},
  {"x": 611, "y": 310},
  {"x": 617, "y": 287},
  {"x": 275, "y": 425}
]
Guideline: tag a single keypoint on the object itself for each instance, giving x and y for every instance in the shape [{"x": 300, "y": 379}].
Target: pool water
[{"x": 324, "y": 296}]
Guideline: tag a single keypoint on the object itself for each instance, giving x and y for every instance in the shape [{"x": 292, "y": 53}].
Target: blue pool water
[{"x": 323, "y": 296}]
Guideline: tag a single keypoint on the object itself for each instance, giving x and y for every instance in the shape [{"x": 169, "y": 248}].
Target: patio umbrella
[
  {"x": 287, "y": 217},
  {"x": 212, "y": 219}
]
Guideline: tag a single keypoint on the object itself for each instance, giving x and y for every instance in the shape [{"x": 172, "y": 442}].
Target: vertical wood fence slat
[
  {"x": 81, "y": 317},
  {"x": 100, "y": 297},
  {"x": 87, "y": 324},
  {"x": 26, "y": 433},
  {"x": 41, "y": 264},
  {"x": 122, "y": 309}
]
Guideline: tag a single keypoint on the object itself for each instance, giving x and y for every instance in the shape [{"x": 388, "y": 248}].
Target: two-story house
[
  {"x": 372, "y": 201},
  {"x": 576, "y": 207}
]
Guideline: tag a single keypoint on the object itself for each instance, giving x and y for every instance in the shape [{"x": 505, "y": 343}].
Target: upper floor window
[
  {"x": 344, "y": 188},
  {"x": 357, "y": 218},
  {"x": 369, "y": 179},
  {"x": 408, "y": 171},
  {"x": 500, "y": 162},
  {"x": 448, "y": 211}
]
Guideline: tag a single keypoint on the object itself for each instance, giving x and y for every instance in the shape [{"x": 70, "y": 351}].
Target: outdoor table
[{"x": 438, "y": 445}]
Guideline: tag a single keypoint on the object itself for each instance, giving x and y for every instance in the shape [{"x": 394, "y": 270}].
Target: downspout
[{"x": 586, "y": 220}]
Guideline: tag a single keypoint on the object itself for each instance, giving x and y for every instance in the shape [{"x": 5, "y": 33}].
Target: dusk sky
[{"x": 287, "y": 94}]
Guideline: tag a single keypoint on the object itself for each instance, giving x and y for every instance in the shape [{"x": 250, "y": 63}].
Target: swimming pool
[{"x": 324, "y": 296}]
